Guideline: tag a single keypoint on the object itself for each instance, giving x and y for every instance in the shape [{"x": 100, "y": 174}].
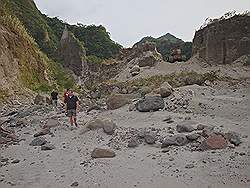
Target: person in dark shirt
[
  {"x": 54, "y": 98},
  {"x": 72, "y": 105}
]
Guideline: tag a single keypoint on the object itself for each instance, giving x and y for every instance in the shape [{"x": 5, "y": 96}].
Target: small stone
[
  {"x": 47, "y": 147},
  {"x": 102, "y": 153},
  {"x": 233, "y": 138},
  {"x": 168, "y": 118},
  {"x": 189, "y": 166},
  {"x": 39, "y": 141},
  {"x": 150, "y": 138},
  {"x": 193, "y": 137},
  {"x": 171, "y": 159},
  {"x": 177, "y": 140},
  {"x": 15, "y": 161},
  {"x": 133, "y": 143},
  {"x": 75, "y": 184},
  {"x": 165, "y": 150},
  {"x": 42, "y": 132},
  {"x": 201, "y": 127},
  {"x": 185, "y": 126}
]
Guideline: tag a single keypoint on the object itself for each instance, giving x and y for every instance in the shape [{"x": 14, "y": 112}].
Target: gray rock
[
  {"x": 185, "y": 126},
  {"x": 141, "y": 133},
  {"x": 107, "y": 125},
  {"x": 201, "y": 127},
  {"x": 176, "y": 140},
  {"x": 135, "y": 68},
  {"x": 39, "y": 141},
  {"x": 75, "y": 184},
  {"x": 134, "y": 73},
  {"x": 15, "y": 161},
  {"x": 166, "y": 90},
  {"x": 116, "y": 101},
  {"x": 193, "y": 136},
  {"x": 42, "y": 132},
  {"x": 150, "y": 138},
  {"x": 47, "y": 147},
  {"x": 150, "y": 103},
  {"x": 233, "y": 138},
  {"x": 102, "y": 153}
]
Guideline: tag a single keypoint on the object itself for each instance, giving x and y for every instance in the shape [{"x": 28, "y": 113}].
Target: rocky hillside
[
  {"x": 223, "y": 41},
  {"x": 19, "y": 68},
  {"x": 47, "y": 31},
  {"x": 166, "y": 43}
]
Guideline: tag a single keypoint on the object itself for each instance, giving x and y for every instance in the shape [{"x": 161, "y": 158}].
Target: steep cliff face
[{"x": 223, "y": 41}]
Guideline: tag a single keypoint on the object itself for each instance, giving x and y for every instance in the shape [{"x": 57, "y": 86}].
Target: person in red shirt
[{"x": 65, "y": 95}]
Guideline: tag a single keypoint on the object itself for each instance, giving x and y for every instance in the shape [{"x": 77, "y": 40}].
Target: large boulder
[
  {"x": 149, "y": 59},
  {"x": 102, "y": 153},
  {"x": 116, "y": 101},
  {"x": 165, "y": 90},
  {"x": 107, "y": 125},
  {"x": 150, "y": 103}
]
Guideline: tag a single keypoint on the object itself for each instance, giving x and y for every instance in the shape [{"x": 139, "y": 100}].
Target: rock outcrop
[
  {"x": 72, "y": 53},
  {"x": 223, "y": 41}
]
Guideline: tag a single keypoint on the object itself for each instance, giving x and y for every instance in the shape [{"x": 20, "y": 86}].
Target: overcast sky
[{"x": 130, "y": 20}]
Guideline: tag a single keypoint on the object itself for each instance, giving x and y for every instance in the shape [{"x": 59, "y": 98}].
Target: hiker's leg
[
  {"x": 74, "y": 119},
  {"x": 71, "y": 120}
]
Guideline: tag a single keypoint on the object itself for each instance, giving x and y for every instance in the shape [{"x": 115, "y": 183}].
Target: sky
[{"x": 128, "y": 21}]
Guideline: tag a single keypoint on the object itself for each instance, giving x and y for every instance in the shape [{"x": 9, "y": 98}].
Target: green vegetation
[
  {"x": 37, "y": 71},
  {"x": 166, "y": 43}
]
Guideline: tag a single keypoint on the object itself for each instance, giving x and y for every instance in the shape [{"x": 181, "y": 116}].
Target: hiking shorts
[{"x": 71, "y": 112}]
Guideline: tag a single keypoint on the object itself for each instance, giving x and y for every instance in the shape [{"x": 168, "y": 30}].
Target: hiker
[
  {"x": 65, "y": 95},
  {"x": 72, "y": 105},
  {"x": 54, "y": 98}
]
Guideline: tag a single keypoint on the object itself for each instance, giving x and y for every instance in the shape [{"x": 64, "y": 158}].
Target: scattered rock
[
  {"x": 131, "y": 107},
  {"x": 51, "y": 123},
  {"x": 102, "y": 153},
  {"x": 15, "y": 161},
  {"x": 133, "y": 143},
  {"x": 189, "y": 166},
  {"x": 150, "y": 138},
  {"x": 176, "y": 140},
  {"x": 46, "y": 147},
  {"x": 150, "y": 103},
  {"x": 166, "y": 90},
  {"x": 193, "y": 137},
  {"x": 185, "y": 126},
  {"x": 116, "y": 101},
  {"x": 75, "y": 184},
  {"x": 39, "y": 141},
  {"x": 135, "y": 68},
  {"x": 42, "y": 132},
  {"x": 214, "y": 141},
  {"x": 233, "y": 138},
  {"x": 201, "y": 127},
  {"x": 134, "y": 73},
  {"x": 109, "y": 126}
]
